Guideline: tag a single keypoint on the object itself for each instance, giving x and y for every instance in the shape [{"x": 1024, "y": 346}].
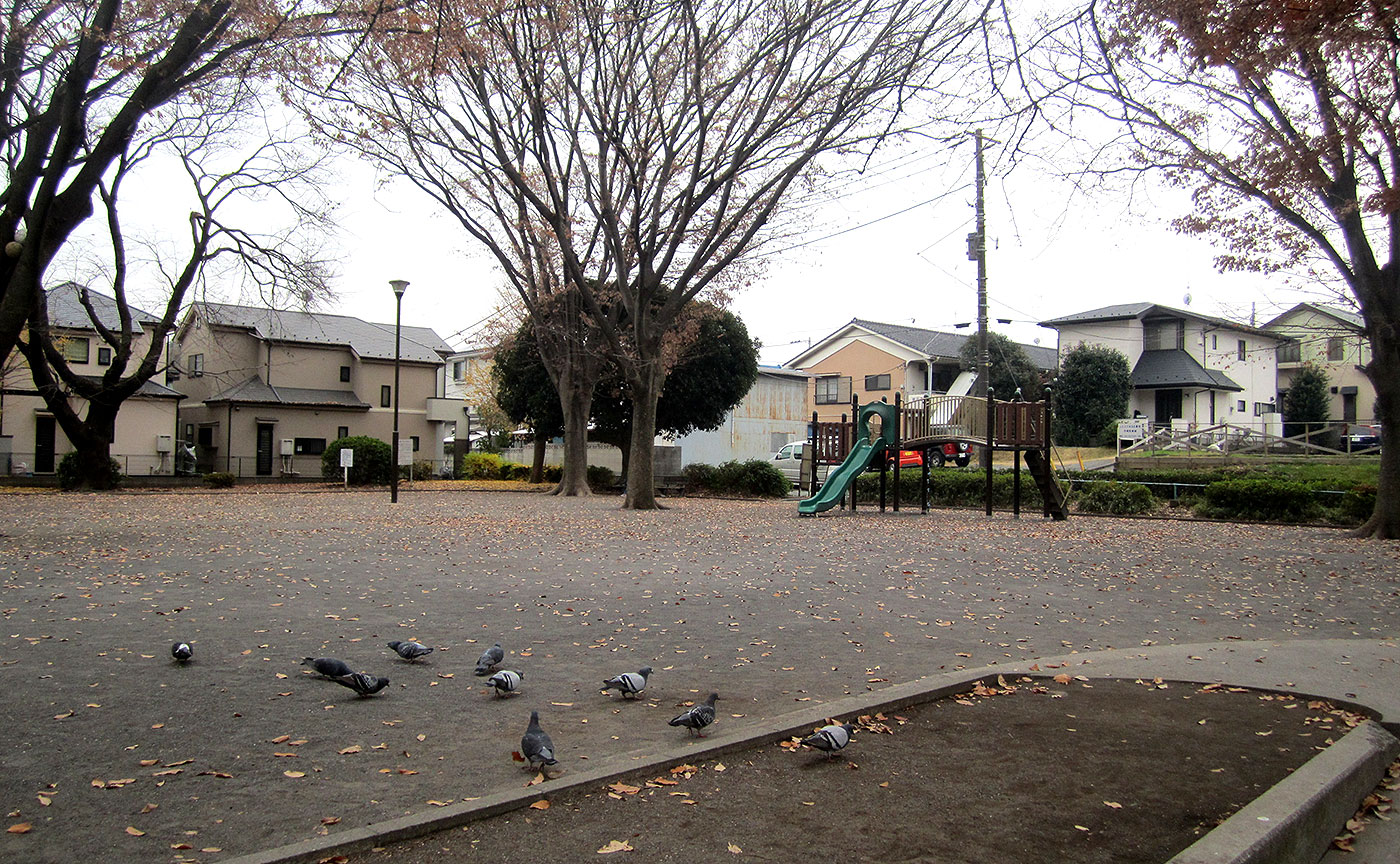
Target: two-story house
[
  {"x": 31, "y": 442},
  {"x": 270, "y": 389},
  {"x": 1334, "y": 340},
  {"x": 1186, "y": 367},
  {"x": 870, "y": 360}
]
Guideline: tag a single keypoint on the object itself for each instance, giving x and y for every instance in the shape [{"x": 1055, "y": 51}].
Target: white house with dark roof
[
  {"x": 31, "y": 442},
  {"x": 270, "y": 389},
  {"x": 1185, "y": 366},
  {"x": 870, "y": 359},
  {"x": 1334, "y": 340}
]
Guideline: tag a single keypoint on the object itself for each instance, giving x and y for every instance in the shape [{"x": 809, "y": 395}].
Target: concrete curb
[
  {"x": 1296, "y": 819},
  {"x": 1308, "y": 806}
]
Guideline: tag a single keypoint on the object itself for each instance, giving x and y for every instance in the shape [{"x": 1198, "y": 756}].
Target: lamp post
[{"x": 399, "y": 286}]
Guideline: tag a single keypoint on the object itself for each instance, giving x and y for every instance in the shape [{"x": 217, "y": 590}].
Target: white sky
[{"x": 1049, "y": 254}]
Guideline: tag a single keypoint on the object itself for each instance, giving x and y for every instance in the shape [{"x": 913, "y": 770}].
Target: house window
[
  {"x": 833, "y": 389},
  {"x": 1214, "y": 341},
  {"x": 75, "y": 350},
  {"x": 1335, "y": 348},
  {"x": 310, "y": 446},
  {"x": 1240, "y": 406},
  {"x": 414, "y": 439},
  {"x": 342, "y": 431},
  {"x": 1290, "y": 352},
  {"x": 1262, "y": 408},
  {"x": 344, "y": 373},
  {"x": 877, "y": 382},
  {"x": 104, "y": 356},
  {"x": 386, "y": 396},
  {"x": 1241, "y": 350},
  {"x": 459, "y": 370},
  {"x": 189, "y": 434},
  {"x": 196, "y": 365},
  {"x": 1164, "y": 335}
]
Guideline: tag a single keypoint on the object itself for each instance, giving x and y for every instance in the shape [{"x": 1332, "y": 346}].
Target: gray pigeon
[
  {"x": 628, "y": 683},
  {"x": 505, "y": 681},
  {"x": 328, "y": 666},
  {"x": 698, "y": 717},
  {"x": 362, "y": 683},
  {"x": 830, "y": 738},
  {"x": 410, "y": 650},
  {"x": 489, "y": 658},
  {"x": 535, "y": 745},
  {"x": 181, "y": 651}
]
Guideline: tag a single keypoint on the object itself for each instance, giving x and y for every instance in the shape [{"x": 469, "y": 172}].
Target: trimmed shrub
[
  {"x": 515, "y": 471},
  {"x": 374, "y": 460},
  {"x": 219, "y": 480},
  {"x": 754, "y": 478},
  {"x": 1356, "y": 505},
  {"x": 699, "y": 477},
  {"x": 480, "y": 466},
  {"x": 553, "y": 473},
  {"x": 70, "y": 474},
  {"x": 601, "y": 478},
  {"x": 1260, "y": 499},
  {"x": 1119, "y": 499}
]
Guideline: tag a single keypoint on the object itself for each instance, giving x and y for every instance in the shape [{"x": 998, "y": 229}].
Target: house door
[
  {"x": 264, "y": 449},
  {"x": 1168, "y": 407},
  {"x": 1349, "y": 407},
  {"x": 43, "y": 445}
]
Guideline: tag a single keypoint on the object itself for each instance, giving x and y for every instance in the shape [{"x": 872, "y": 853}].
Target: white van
[{"x": 789, "y": 461}]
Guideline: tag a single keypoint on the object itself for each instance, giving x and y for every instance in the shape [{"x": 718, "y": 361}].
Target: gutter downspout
[{"x": 228, "y": 440}]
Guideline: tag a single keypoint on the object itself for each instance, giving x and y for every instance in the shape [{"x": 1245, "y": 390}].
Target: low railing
[{"x": 935, "y": 417}]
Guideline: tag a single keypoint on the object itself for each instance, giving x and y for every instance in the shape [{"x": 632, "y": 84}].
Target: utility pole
[{"x": 977, "y": 251}]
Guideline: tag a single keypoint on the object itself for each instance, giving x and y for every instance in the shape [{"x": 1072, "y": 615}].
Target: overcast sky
[{"x": 886, "y": 246}]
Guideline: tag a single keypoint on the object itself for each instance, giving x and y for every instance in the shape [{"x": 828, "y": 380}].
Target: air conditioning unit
[
  {"x": 289, "y": 447},
  {"x": 165, "y": 443}
]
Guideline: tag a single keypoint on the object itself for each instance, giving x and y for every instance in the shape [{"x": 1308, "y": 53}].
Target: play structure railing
[{"x": 932, "y": 417}]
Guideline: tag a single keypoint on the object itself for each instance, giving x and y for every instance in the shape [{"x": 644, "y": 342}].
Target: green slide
[{"x": 839, "y": 480}]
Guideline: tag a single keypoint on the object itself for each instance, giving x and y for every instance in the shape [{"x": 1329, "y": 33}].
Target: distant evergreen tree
[
  {"x": 1092, "y": 391},
  {"x": 1307, "y": 403}
]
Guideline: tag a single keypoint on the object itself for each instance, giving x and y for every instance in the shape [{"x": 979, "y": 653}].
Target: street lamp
[{"x": 399, "y": 286}]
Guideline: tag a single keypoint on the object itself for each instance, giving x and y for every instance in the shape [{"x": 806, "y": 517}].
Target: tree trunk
[
  {"x": 641, "y": 482},
  {"x": 537, "y": 460},
  {"x": 1384, "y": 371},
  {"x": 576, "y": 399},
  {"x": 92, "y": 441}
]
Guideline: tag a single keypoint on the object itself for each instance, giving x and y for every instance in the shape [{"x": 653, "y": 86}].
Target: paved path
[{"x": 742, "y": 597}]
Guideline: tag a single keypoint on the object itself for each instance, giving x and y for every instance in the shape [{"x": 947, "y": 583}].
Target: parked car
[
  {"x": 959, "y": 453},
  {"x": 1363, "y": 437},
  {"x": 789, "y": 461}
]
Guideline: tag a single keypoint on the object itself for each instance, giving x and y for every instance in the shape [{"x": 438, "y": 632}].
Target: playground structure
[{"x": 924, "y": 423}]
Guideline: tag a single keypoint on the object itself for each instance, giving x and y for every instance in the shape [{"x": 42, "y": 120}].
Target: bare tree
[
  {"x": 221, "y": 175},
  {"x": 83, "y": 85},
  {"x": 648, "y": 146},
  {"x": 1281, "y": 118}
]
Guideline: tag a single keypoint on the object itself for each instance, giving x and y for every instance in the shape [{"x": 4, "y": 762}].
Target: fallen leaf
[
  {"x": 623, "y": 788},
  {"x": 734, "y": 849},
  {"x": 540, "y": 805},
  {"x": 44, "y": 799},
  {"x": 1062, "y": 678},
  {"x": 20, "y": 828},
  {"x": 280, "y": 739},
  {"x": 515, "y": 755},
  {"x": 351, "y": 750},
  {"x": 149, "y": 807},
  {"x": 1114, "y": 804},
  {"x": 719, "y": 766},
  {"x": 294, "y": 774},
  {"x": 329, "y": 820},
  {"x": 135, "y": 832},
  {"x": 615, "y": 846},
  {"x": 211, "y": 849},
  {"x": 438, "y": 803}
]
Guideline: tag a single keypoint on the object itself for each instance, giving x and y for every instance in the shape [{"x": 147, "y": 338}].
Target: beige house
[
  {"x": 268, "y": 390},
  {"x": 871, "y": 360},
  {"x": 31, "y": 442},
  {"x": 1334, "y": 340},
  {"x": 1187, "y": 368}
]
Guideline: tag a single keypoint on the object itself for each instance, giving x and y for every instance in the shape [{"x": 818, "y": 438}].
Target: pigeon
[
  {"x": 698, "y": 717},
  {"x": 830, "y": 738},
  {"x": 181, "y": 651},
  {"x": 505, "y": 681},
  {"x": 328, "y": 666},
  {"x": 628, "y": 683},
  {"x": 362, "y": 683},
  {"x": 535, "y": 745},
  {"x": 489, "y": 658},
  {"x": 410, "y": 650}
]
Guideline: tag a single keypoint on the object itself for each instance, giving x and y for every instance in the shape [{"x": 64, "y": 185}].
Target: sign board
[
  {"x": 405, "y": 451},
  {"x": 347, "y": 458},
  {"x": 1133, "y": 429}
]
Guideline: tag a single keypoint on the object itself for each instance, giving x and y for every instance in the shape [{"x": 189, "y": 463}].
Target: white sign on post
[
  {"x": 405, "y": 451},
  {"x": 347, "y": 461},
  {"x": 1134, "y": 429}
]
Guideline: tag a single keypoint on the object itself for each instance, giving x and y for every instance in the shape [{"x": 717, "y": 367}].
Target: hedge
[{"x": 374, "y": 463}]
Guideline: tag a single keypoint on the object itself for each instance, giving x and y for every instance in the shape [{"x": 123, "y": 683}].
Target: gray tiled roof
[
  {"x": 1124, "y": 311},
  {"x": 66, "y": 310},
  {"x": 1346, "y": 316},
  {"x": 150, "y": 389},
  {"x": 936, "y": 343},
  {"x": 254, "y": 391},
  {"x": 369, "y": 340},
  {"x": 1176, "y": 368}
]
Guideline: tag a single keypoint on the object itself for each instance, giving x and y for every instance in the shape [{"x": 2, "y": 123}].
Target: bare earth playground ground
[{"x": 111, "y": 750}]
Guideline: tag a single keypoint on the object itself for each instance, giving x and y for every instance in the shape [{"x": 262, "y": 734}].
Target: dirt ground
[
  {"x": 1084, "y": 772},
  {"x": 114, "y": 753}
]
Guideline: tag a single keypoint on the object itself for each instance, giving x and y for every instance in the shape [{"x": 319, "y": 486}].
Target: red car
[{"x": 957, "y": 453}]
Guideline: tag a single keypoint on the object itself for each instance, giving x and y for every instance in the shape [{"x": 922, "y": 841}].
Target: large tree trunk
[
  {"x": 1384, "y": 371},
  {"x": 537, "y": 458},
  {"x": 576, "y": 399},
  {"x": 641, "y": 481},
  {"x": 92, "y": 439}
]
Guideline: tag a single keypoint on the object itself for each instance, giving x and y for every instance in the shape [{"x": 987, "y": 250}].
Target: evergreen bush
[
  {"x": 601, "y": 478},
  {"x": 70, "y": 474},
  {"x": 480, "y": 466},
  {"x": 1117, "y": 498},
  {"x": 219, "y": 480},
  {"x": 374, "y": 461},
  {"x": 1260, "y": 499}
]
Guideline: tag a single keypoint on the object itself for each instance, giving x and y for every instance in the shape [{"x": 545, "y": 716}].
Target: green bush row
[{"x": 754, "y": 478}]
